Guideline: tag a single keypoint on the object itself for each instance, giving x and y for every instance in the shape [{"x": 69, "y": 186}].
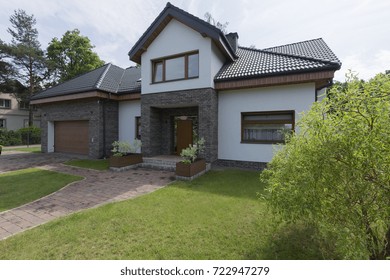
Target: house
[
  {"x": 194, "y": 81},
  {"x": 14, "y": 113}
]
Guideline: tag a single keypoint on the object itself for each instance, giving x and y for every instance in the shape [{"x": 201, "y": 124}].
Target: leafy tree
[
  {"x": 335, "y": 173},
  {"x": 72, "y": 55},
  {"x": 25, "y": 55}
]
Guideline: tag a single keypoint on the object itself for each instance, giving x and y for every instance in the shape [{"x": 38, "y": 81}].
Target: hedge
[{"x": 23, "y": 136}]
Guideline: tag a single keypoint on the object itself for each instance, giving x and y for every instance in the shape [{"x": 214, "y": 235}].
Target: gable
[
  {"x": 171, "y": 12},
  {"x": 178, "y": 39}
]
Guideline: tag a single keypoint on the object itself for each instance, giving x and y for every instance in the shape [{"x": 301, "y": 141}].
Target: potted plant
[
  {"x": 125, "y": 154},
  {"x": 191, "y": 165}
]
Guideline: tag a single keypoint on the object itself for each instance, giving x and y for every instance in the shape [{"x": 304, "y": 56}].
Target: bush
[
  {"x": 334, "y": 173},
  {"x": 30, "y": 135},
  {"x": 23, "y": 136},
  {"x": 9, "y": 137}
]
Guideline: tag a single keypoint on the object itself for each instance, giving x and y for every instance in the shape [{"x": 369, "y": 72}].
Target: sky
[{"x": 358, "y": 31}]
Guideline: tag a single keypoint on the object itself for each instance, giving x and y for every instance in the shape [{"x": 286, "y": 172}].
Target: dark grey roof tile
[
  {"x": 307, "y": 56},
  {"x": 108, "y": 78}
]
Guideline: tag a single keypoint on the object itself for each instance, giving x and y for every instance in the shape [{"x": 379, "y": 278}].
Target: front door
[{"x": 183, "y": 134}]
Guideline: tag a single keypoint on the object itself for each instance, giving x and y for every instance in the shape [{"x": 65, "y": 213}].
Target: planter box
[
  {"x": 125, "y": 160},
  {"x": 190, "y": 170}
]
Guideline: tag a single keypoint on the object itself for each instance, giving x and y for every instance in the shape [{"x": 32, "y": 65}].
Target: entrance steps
[{"x": 161, "y": 162}]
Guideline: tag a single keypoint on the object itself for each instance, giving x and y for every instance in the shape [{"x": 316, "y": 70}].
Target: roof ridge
[
  {"x": 289, "y": 55},
  {"x": 120, "y": 81},
  {"x": 300, "y": 42},
  {"x": 102, "y": 76},
  {"x": 302, "y": 56}
]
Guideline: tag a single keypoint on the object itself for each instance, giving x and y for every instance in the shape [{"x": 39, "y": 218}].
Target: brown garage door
[{"x": 71, "y": 137}]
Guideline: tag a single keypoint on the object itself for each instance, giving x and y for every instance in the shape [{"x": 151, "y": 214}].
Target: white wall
[
  {"x": 50, "y": 137},
  {"x": 128, "y": 110},
  {"x": 15, "y": 117},
  {"x": 178, "y": 38},
  {"x": 232, "y": 103}
]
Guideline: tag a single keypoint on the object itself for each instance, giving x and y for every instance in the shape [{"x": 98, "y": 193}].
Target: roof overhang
[
  {"x": 86, "y": 95},
  {"x": 171, "y": 12},
  {"x": 319, "y": 78}
]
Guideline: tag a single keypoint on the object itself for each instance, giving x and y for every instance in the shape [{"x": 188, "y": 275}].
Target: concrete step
[{"x": 168, "y": 164}]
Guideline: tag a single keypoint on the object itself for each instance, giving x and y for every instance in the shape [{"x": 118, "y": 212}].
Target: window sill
[
  {"x": 262, "y": 142},
  {"x": 176, "y": 80}
]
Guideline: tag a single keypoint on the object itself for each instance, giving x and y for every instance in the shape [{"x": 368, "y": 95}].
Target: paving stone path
[{"x": 98, "y": 188}]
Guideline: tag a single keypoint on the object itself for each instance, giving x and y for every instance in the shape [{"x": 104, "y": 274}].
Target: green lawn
[
  {"x": 23, "y": 186},
  {"x": 30, "y": 149},
  {"x": 217, "y": 216},
  {"x": 99, "y": 164}
]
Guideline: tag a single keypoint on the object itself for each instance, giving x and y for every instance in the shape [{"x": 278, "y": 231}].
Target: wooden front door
[{"x": 183, "y": 134}]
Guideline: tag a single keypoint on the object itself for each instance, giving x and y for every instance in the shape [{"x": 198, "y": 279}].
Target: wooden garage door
[{"x": 71, "y": 137}]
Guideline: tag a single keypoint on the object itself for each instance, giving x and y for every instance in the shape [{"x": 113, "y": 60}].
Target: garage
[{"x": 71, "y": 137}]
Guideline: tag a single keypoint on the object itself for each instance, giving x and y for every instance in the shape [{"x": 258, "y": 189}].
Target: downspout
[
  {"x": 328, "y": 84},
  {"x": 104, "y": 128},
  {"x": 104, "y": 124}
]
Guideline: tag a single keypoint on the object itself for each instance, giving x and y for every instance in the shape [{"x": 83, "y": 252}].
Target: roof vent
[{"x": 233, "y": 40}]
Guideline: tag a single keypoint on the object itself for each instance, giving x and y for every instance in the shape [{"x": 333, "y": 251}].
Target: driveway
[{"x": 98, "y": 188}]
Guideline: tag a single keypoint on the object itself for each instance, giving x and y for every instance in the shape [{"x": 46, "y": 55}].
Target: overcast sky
[{"x": 357, "y": 31}]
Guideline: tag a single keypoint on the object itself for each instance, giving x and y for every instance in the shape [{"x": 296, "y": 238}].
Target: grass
[
  {"x": 100, "y": 164},
  {"x": 217, "y": 216},
  {"x": 29, "y": 150},
  {"x": 23, "y": 186}
]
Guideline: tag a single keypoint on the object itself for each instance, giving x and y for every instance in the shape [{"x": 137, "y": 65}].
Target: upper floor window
[
  {"x": 23, "y": 105},
  {"x": 5, "y": 103},
  {"x": 266, "y": 127},
  {"x": 178, "y": 67}
]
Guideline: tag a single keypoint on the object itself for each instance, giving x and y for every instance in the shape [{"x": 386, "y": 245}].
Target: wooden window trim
[
  {"x": 243, "y": 123},
  {"x": 164, "y": 59}
]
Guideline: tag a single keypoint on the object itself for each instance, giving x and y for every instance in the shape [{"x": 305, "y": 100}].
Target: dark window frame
[
  {"x": 138, "y": 127},
  {"x": 163, "y": 60},
  {"x": 4, "y": 121},
  {"x": 285, "y": 121},
  {"x": 2, "y": 104}
]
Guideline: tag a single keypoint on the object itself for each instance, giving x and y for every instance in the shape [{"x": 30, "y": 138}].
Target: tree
[
  {"x": 72, "y": 55},
  {"x": 6, "y": 68},
  {"x": 25, "y": 55},
  {"x": 335, "y": 173},
  {"x": 222, "y": 26}
]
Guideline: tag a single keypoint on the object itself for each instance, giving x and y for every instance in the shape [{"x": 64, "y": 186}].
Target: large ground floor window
[{"x": 266, "y": 127}]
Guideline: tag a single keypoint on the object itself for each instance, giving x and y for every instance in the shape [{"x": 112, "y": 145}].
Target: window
[
  {"x": 23, "y": 105},
  {"x": 266, "y": 127},
  {"x": 138, "y": 128},
  {"x": 5, "y": 103},
  {"x": 179, "y": 67},
  {"x": 3, "y": 123}
]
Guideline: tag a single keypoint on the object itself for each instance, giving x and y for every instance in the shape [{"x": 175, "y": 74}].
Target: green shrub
[
  {"x": 23, "y": 136},
  {"x": 9, "y": 137},
  {"x": 334, "y": 173},
  {"x": 30, "y": 135}
]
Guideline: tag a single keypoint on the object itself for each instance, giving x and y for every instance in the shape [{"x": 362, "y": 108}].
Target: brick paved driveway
[{"x": 98, "y": 187}]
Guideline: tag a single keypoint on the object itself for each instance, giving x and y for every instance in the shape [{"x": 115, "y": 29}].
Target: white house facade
[
  {"x": 194, "y": 82},
  {"x": 14, "y": 113}
]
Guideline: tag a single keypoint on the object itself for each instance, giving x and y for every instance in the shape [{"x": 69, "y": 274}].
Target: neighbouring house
[
  {"x": 14, "y": 113},
  {"x": 194, "y": 81}
]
